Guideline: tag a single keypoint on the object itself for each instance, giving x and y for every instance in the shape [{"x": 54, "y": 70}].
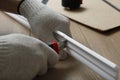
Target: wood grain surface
[{"x": 106, "y": 44}]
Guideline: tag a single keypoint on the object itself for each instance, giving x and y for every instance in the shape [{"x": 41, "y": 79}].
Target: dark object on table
[{"x": 71, "y": 4}]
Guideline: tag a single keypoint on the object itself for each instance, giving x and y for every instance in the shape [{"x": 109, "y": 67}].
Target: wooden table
[{"x": 105, "y": 43}]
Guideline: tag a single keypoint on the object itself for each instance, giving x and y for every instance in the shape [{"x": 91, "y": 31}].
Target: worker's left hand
[{"x": 43, "y": 20}]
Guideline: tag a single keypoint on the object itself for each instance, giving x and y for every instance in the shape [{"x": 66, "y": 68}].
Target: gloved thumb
[{"x": 52, "y": 56}]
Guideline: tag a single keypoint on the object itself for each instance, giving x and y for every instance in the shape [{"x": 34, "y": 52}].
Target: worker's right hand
[
  {"x": 23, "y": 57},
  {"x": 43, "y": 20}
]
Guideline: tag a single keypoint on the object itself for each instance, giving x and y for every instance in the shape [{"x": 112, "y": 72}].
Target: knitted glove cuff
[
  {"x": 29, "y": 7},
  {"x": 18, "y": 7}
]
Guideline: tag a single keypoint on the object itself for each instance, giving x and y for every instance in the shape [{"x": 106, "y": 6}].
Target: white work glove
[
  {"x": 43, "y": 20},
  {"x": 23, "y": 57}
]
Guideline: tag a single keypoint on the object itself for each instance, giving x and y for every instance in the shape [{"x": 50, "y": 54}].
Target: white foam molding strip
[
  {"x": 22, "y": 20},
  {"x": 90, "y": 58}
]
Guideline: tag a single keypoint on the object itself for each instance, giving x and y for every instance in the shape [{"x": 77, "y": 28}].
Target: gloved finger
[{"x": 52, "y": 56}]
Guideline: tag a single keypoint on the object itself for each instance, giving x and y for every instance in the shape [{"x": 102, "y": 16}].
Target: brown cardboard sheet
[{"x": 96, "y": 14}]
